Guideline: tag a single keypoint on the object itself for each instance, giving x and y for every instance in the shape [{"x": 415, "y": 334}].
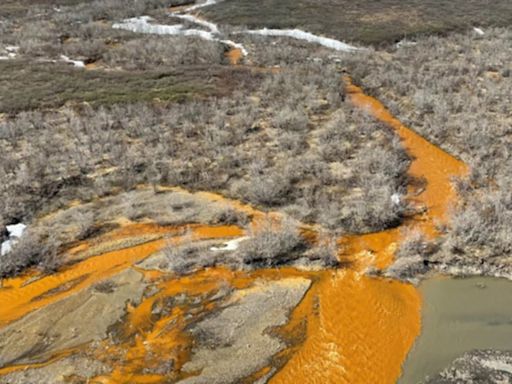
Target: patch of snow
[
  {"x": 142, "y": 25},
  {"x": 211, "y": 26},
  {"x": 479, "y": 31},
  {"x": 12, "y": 48},
  {"x": 396, "y": 198},
  {"x": 230, "y": 245},
  {"x": 5, "y": 247},
  {"x": 76, "y": 63},
  {"x": 15, "y": 232},
  {"x": 199, "y": 33},
  {"x": 10, "y": 52},
  {"x": 207, "y": 3},
  {"x": 405, "y": 43},
  {"x": 307, "y": 36}
]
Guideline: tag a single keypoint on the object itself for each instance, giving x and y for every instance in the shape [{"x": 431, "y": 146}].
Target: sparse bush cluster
[{"x": 272, "y": 242}]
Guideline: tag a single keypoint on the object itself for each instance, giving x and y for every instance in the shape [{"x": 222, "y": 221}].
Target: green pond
[{"x": 459, "y": 315}]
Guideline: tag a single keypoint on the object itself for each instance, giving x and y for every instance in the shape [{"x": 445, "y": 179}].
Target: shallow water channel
[{"x": 459, "y": 315}]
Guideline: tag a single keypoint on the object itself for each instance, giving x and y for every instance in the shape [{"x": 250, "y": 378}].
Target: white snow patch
[
  {"x": 76, "y": 63},
  {"x": 211, "y": 26},
  {"x": 12, "y": 48},
  {"x": 479, "y": 31},
  {"x": 230, "y": 245},
  {"x": 10, "y": 52},
  {"x": 231, "y": 43},
  {"x": 307, "y": 36},
  {"x": 5, "y": 247},
  {"x": 405, "y": 43},
  {"x": 396, "y": 198},
  {"x": 15, "y": 232},
  {"x": 142, "y": 25},
  {"x": 207, "y": 3}
]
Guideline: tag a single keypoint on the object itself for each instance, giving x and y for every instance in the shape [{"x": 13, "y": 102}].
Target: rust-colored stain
[
  {"x": 430, "y": 163},
  {"x": 354, "y": 328},
  {"x": 366, "y": 326},
  {"x": 234, "y": 56},
  {"x": 362, "y": 332},
  {"x": 22, "y": 300}
]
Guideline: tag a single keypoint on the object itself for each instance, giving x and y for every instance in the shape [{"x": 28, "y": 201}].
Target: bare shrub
[
  {"x": 32, "y": 249},
  {"x": 272, "y": 242},
  {"x": 230, "y": 216},
  {"x": 413, "y": 257},
  {"x": 186, "y": 257},
  {"x": 268, "y": 189},
  {"x": 39, "y": 38},
  {"x": 289, "y": 119},
  {"x": 325, "y": 249}
]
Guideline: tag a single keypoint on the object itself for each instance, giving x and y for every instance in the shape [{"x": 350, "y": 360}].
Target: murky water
[{"x": 459, "y": 315}]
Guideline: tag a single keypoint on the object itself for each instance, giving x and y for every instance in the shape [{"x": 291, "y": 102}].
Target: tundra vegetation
[{"x": 369, "y": 22}]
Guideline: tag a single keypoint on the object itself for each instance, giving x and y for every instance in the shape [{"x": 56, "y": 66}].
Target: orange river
[{"x": 356, "y": 328}]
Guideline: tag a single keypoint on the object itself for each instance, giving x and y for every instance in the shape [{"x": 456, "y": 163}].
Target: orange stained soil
[
  {"x": 234, "y": 56},
  {"x": 150, "y": 341},
  {"x": 38, "y": 293}
]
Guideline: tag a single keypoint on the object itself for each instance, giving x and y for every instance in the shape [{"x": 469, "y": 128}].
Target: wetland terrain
[{"x": 240, "y": 192}]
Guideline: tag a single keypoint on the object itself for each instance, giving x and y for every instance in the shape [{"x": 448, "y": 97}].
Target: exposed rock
[
  {"x": 236, "y": 342},
  {"x": 75, "y": 320},
  {"x": 77, "y": 367},
  {"x": 478, "y": 367}
]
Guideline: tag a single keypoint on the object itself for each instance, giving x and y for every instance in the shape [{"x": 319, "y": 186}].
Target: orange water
[
  {"x": 365, "y": 326},
  {"x": 33, "y": 295}
]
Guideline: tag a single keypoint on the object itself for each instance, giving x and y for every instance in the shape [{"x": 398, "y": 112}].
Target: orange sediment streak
[
  {"x": 31, "y": 296},
  {"x": 149, "y": 343},
  {"x": 366, "y": 326},
  {"x": 431, "y": 163},
  {"x": 234, "y": 56}
]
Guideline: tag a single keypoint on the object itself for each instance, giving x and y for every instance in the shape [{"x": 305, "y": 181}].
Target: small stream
[{"x": 459, "y": 315}]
